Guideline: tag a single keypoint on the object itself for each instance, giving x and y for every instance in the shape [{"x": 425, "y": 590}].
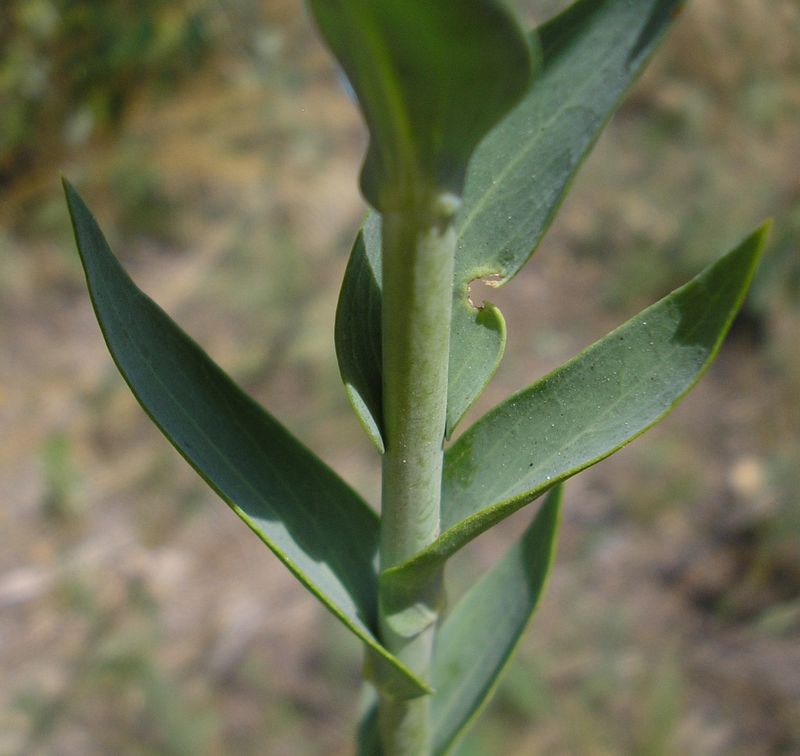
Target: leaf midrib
[{"x": 224, "y": 457}]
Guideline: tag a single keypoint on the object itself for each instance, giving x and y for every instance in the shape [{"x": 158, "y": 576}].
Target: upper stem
[{"x": 418, "y": 251}]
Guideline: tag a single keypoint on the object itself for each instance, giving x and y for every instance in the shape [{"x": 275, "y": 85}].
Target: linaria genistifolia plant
[{"x": 476, "y": 130}]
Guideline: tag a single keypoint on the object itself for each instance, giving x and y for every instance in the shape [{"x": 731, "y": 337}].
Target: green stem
[{"x": 418, "y": 251}]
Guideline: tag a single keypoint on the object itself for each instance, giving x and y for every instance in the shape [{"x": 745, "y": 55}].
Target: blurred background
[{"x": 213, "y": 141}]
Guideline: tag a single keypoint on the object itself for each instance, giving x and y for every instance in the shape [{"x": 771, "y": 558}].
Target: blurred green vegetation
[
  {"x": 62, "y": 481},
  {"x": 70, "y": 70}
]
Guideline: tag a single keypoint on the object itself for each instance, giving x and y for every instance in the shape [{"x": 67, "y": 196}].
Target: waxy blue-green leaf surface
[
  {"x": 584, "y": 411},
  {"x": 431, "y": 79},
  {"x": 357, "y": 331},
  {"x": 516, "y": 181},
  {"x": 314, "y": 523},
  {"x": 368, "y": 738},
  {"x": 479, "y": 636}
]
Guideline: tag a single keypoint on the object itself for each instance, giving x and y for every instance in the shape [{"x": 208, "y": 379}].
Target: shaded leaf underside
[{"x": 479, "y": 636}]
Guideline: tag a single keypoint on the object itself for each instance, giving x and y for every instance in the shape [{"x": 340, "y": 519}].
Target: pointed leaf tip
[
  {"x": 308, "y": 516},
  {"x": 587, "y": 409}
]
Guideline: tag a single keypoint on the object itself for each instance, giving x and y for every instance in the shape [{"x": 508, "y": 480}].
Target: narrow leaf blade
[
  {"x": 313, "y": 521},
  {"x": 592, "y": 53},
  {"x": 585, "y": 410},
  {"x": 478, "y": 637}
]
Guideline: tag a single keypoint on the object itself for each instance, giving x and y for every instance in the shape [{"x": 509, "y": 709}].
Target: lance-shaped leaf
[
  {"x": 479, "y": 636},
  {"x": 313, "y": 521},
  {"x": 431, "y": 78},
  {"x": 582, "y": 412},
  {"x": 592, "y": 54},
  {"x": 517, "y": 178}
]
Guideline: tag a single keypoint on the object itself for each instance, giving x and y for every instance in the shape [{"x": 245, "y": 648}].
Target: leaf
[
  {"x": 582, "y": 412},
  {"x": 516, "y": 181},
  {"x": 313, "y": 521},
  {"x": 431, "y": 79},
  {"x": 368, "y": 738},
  {"x": 357, "y": 331},
  {"x": 478, "y": 637},
  {"x": 592, "y": 54}
]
